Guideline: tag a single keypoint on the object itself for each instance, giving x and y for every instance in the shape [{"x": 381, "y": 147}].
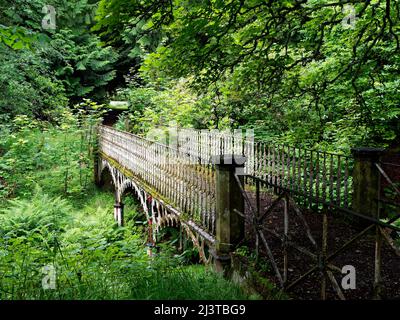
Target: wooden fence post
[
  {"x": 366, "y": 181},
  {"x": 229, "y": 201}
]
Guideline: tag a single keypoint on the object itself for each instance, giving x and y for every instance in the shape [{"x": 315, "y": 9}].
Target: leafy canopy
[{"x": 292, "y": 67}]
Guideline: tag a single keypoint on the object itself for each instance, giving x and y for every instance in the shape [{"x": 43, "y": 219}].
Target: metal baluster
[
  {"x": 331, "y": 181},
  {"x": 338, "y": 183},
  {"x": 346, "y": 181}
]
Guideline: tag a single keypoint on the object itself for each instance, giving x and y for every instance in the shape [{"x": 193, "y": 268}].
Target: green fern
[{"x": 41, "y": 214}]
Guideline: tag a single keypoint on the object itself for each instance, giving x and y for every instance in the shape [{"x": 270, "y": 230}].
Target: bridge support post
[
  {"x": 230, "y": 200},
  {"x": 119, "y": 213},
  {"x": 366, "y": 181},
  {"x": 96, "y": 171}
]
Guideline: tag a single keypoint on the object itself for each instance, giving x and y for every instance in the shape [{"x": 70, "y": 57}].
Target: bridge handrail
[{"x": 315, "y": 174}]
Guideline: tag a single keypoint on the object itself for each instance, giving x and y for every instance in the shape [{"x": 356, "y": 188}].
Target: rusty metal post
[{"x": 285, "y": 238}]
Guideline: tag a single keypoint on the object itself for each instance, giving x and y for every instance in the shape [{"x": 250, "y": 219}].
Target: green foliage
[
  {"x": 84, "y": 67},
  {"x": 292, "y": 70},
  {"x": 20, "y": 23},
  {"x": 36, "y": 217},
  {"x": 16, "y": 37},
  {"x": 40, "y": 70},
  {"x": 128, "y": 30},
  {"x": 28, "y": 86},
  {"x": 30, "y": 150},
  {"x": 152, "y": 106}
]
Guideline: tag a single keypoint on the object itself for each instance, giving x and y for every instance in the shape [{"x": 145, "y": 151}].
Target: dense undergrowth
[{"x": 53, "y": 218}]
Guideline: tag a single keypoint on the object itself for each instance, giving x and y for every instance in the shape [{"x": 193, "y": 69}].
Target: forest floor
[{"x": 340, "y": 229}]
